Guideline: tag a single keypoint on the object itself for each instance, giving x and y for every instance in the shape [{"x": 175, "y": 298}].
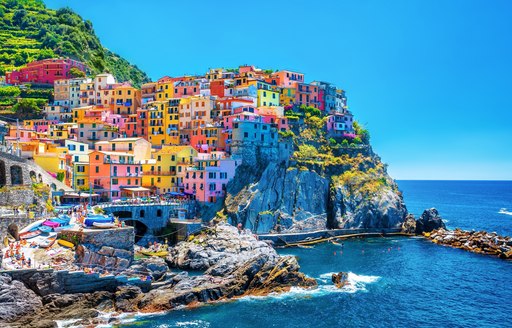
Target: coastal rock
[
  {"x": 429, "y": 220},
  {"x": 16, "y": 300},
  {"x": 480, "y": 242},
  {"x": 236, "y": 264},
  {"x": 127, "y": 298},
  {"x": 340, "y": 279},
  {"x": 409, "y": 225},
  {"x": 351, "y": 209},
  {"x": 280, "y": 196}
]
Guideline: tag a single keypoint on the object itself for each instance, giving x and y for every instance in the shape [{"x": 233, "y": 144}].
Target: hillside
[{"x": 30, "y": 31}]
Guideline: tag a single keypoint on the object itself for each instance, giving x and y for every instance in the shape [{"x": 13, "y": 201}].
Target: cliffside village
[{"x": 176, "y": 136}]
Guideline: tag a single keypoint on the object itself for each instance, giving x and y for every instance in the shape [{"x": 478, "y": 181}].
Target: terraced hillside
[{"x": 30, "y": 31}]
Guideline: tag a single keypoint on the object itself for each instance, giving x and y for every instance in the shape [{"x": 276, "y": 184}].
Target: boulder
[
  {"x": 429, "y": 221},
  {"x": 409, "y": 225},
  {"x": 340, "y": 279},
  {"x": 16, "y": 300}
]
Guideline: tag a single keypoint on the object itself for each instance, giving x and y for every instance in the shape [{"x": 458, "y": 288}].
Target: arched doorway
[
  {"x": 16, "y": 175},
  {"x": 140, "y": 228}
]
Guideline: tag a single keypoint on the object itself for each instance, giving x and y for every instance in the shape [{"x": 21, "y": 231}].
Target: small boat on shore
[
  {"x": 30, "y": 234},
  {"x": 151, "y": 253},
  {"x": 90, "y": 220},
  {"x": 46, "y": 243},
  {"x": 45, "y": 229},
  {"x": 104, "y": 225},
  {"x": 58, "y": 229},
  {"x": 65, "y": 243}
]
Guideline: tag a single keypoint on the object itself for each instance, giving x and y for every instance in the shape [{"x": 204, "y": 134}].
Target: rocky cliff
[
  {"x": 321, "y": 184},
  {"x": 236, "y": 264}
]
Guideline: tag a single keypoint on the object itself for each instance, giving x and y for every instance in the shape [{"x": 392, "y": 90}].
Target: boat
[
  {"x": 304, "y": 246},
  {"x": 29, "y": 234},
  {"x": 104, "y": 225},
  {"x": 32, "y": 226},
  {"x": 151, "y": 253},
  {"x": 65, "y": 243},
  {"x": 51, "y": 224},
  {"x": 45, "y": 229},
  {"x": 46, "y": 243},
  {"x": 90, "y": 220},
  {"x": 58, "y": 229}
]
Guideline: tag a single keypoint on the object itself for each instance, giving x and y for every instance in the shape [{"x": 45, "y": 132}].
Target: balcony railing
[{"x": 160, "y": 173}]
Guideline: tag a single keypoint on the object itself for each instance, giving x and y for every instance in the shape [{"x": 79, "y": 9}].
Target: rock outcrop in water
[
  {"x": 480, "y": 242},
  {"x": 429, "y": 220},
  {"x": 236, "y": 264}
]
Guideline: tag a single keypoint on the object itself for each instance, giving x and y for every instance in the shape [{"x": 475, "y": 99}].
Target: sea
[{"x": 395, "y": 282}]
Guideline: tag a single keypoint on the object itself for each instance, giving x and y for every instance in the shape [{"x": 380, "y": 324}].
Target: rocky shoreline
[
  {"x": 480, "y": 242},
  {"x": 235, "y": 264}
]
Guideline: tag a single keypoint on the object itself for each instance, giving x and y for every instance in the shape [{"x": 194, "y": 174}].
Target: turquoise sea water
[{"x": 396, "y": 282}]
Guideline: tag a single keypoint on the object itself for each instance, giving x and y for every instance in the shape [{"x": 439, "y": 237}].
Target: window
[
  {"x": 82, "y": 147},
  {"x": 97, "y": 157},
  {"x": 97, "y": 169},
  {"x": 223, "y": 175},
  {"x": 80, "y": 182},
  {"x": 246, "y": 135},
  {"x": 115, "y": 181},
  {"x": 212, "y": 187},
  {"x": 129, "y": 181},
  {"x": 80, "y": 168}
]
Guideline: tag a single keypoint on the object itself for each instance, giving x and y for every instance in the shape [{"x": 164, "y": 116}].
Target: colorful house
[
  {"x": 340, "y": 125},
  {"x": 208, "y": 178},
  {"x": 114, "y": 174},
  {"x": 161, "y": 172},
  {"x": 45, "y": 71}
]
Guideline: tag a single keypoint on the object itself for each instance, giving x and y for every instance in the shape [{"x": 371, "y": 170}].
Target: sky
[{"x": 431, "y": 80}]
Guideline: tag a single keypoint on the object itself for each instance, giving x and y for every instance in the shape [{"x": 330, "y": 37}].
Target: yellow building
[
  {"x": 287, "y": 96},
  {"x": 160, "y": 173},
  {"x": 164, "y": 90},
  {"x": 126, "y": 99},
  {"x": 266, "y": 94},
  {"x": 51, "y": 157}
]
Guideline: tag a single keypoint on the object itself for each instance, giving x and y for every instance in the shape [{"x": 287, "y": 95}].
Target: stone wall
[
  {"x": 20, "y": 221},
  {"x": 17, "y": 196},
  {"x": 46, "y": 282},
  {"x": 16, "y": 171},
  {"x": 254, "y": 153},
  {"x": 109, "y": 249},
  {"x": 153, "y": 216}
]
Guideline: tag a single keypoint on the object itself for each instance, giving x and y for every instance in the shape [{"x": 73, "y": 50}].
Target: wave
[
  {"x": 504, "y": 211},
  {"x": 357, "y": 283}
]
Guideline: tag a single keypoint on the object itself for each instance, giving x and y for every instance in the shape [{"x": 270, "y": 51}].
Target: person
[
  {"x": 29, "y": 262},
  {"x": 239, "y": 226}
]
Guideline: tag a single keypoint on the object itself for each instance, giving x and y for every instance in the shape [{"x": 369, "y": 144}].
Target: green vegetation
[
  {"x": 28, "y": 108},
  {"x": 60, "y": 176},
  {"x": 362, "y": 133},
  {"x": 366, "y": 183},
  {"x": 29, "y": 31},
  {"x": 286, "y": 134}
]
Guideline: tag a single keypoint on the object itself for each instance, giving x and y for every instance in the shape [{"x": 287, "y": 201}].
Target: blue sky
[{"x": 432, "y": 80}]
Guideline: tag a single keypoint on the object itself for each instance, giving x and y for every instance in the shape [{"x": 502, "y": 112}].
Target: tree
[
  {"x": 75, "y": 72},
  {"x": 26, "y": 108},
  {"x": 18, "y": 16}
]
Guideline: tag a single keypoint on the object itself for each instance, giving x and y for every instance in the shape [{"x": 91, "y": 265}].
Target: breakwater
[{"x": 292, "y": 239}]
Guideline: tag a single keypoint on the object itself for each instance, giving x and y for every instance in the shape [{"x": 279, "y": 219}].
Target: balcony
[{"x": 160, "y": 173}]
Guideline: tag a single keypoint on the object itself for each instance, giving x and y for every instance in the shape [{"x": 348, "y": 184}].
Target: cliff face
[{"x": 317, "y": 187}]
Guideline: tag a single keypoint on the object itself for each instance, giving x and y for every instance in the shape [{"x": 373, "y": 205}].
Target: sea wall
[{"x": 46, "y": 282}]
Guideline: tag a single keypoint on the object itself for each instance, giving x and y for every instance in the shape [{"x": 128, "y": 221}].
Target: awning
[
  {"x": 82, "y": 195},
  {"x": 135, "y": 189}
]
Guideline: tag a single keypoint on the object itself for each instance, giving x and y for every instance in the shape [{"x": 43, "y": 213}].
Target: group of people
[{"x": 17, "y": 256}]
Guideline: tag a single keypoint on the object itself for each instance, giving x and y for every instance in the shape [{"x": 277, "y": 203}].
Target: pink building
[
  {"x": 38, "y": 125},
  {"x": 286, "y": 79},
  {"x": 340, "y": 125},
  {"x": 114, "y": 174},
  {"x": 207, "y": 180},
  {"x": 186, "y": 89}
]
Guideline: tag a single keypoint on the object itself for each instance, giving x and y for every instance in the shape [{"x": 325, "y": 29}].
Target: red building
[
  {"x": 217, "y": 88},
  {"x": 44, "y": 71}
]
